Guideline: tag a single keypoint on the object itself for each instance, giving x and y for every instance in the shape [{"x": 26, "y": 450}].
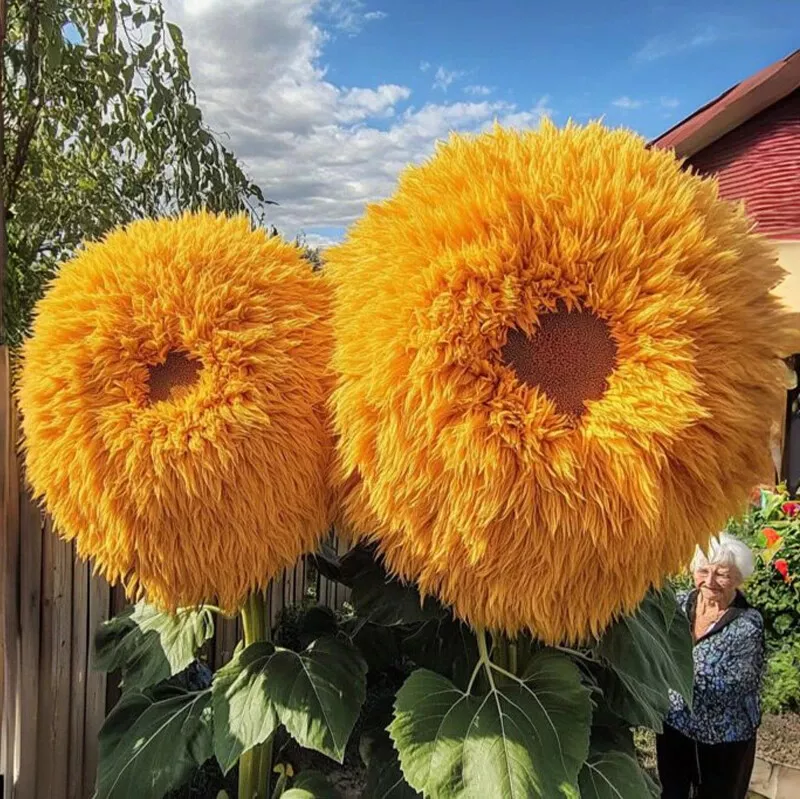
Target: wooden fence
[{"x": 52, "y": 703}]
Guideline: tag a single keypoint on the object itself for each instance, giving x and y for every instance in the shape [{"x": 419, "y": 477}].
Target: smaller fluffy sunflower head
[
  {"x": 558, "y": 359},
  {"x": 173, "y": 401}
]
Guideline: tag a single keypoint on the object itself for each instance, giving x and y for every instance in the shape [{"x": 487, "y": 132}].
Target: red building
[{"x": 749, "y": 139}]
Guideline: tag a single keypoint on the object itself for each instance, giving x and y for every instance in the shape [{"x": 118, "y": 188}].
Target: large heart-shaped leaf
[
  {"x": 385, "y": 779},
  {"x": 347, "y": 568},
  {"x": 311, "y": 785},
  {"x": 525, "y": 739},
  {"x": 649, "y": 653},
  {"x": 381, "y": 599},
  {"x": 316, "y": 694},
  {"x": 152, "y": 742},
  {"x": 612, "y": 771},
  {"x": 150, "y": 646},
  {"x": 243, "y": 717},
  {"x": 446, "y": 646}
]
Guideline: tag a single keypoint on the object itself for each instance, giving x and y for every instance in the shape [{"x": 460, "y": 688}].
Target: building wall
[
  {"x": 759, "y": 162},
  {"x": 789, "y": 259}
]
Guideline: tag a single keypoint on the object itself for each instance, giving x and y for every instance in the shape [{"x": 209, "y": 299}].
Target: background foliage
[
  {"x": 100, "y": 127},
  {"x": 771, "y": 527}
]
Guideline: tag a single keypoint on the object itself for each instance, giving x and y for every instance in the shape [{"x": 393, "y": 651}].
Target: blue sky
[
  {"x": 325, "y": 101},
  {"x": 657, "y": 60}
]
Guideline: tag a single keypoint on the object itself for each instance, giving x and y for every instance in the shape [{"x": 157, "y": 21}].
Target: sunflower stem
[
  {"x": 523, "y": 649},
  {"x": 499, "y": 651},
  {"x": 483, "y": 654},
  {"x": 575, "y": 653},
  {"x": 255, "y": 765},
  {"x": 512, "y": 657},
  {"x": 216, "y": 609},
  {"x": 474, "y": 676}
]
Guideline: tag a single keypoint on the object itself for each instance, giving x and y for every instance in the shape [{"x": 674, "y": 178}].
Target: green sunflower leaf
[
  {"x": 527, "y": 738},
  {"x": 316, "y": 694},
  {"x": 385, "y": 778},
  {"x": 311, "y": 785},
  {"x": 647, "y": 654},
  {"x": 149, "y": 646},
  {"x": 243, "y": 717},
  {"x": 381, "y": 599},
  {"x": 152, "y": 742},
  {"x": 612, "y": 770}
]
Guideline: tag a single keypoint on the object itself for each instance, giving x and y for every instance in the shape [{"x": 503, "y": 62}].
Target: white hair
[{"x": 725, "y": 550}]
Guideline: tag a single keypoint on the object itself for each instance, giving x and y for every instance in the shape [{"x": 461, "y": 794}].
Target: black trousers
[{"x": 714, "y": 771}]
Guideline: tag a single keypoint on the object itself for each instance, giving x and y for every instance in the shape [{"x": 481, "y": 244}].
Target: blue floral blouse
[{"x": 728, "y": 666}]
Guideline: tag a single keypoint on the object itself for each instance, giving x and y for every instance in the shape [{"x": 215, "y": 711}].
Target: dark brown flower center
[
  {"x": 569, "y": 357},
  {"x": 169, "y": 379}
]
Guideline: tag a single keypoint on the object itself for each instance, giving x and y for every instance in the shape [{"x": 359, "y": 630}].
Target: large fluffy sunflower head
[
  {"x": 173, "y": 398},
  {"x": 558, "y": 361}
]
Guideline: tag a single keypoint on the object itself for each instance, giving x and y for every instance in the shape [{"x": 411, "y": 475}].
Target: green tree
[{"x": 99, "y": 127}]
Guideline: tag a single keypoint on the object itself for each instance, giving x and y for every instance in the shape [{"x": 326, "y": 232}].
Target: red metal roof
[{"x": 740, "y": 103}]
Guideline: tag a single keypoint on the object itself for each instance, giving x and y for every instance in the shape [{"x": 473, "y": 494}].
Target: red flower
[
  {"x": 791, "y": 508},
  {"x": 771, "y": 536},
  {"x": 783, "y": 568}
]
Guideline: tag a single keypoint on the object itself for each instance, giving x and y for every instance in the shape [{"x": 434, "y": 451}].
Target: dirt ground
[{"x": 779, "y": 739}]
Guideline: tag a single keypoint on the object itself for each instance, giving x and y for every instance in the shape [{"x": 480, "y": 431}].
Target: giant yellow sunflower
[
  {"x": 173, "y": 399},
  {"x": 557, "y": 355}
]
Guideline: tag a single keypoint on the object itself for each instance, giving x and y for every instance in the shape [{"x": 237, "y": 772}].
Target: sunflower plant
[
  {"x": 449, "y": 711},
  {"x": 173, "y": 397},
  {"x": 541, "y": 411}
]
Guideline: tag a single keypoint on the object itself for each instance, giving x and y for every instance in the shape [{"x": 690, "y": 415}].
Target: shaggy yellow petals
[
  {"x": 173, "y": 397},
  {"x": 558, "y": 362}
]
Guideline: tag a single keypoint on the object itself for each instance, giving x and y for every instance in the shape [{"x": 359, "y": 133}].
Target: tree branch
[{"x": 28, "y": 128}]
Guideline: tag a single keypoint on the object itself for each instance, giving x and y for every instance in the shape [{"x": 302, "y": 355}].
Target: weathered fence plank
[
  {"x": 9, "y": 582},
  {"x": 31, "y": 533},
  {"x": 80, "y": 653},
  {"x": 95, "y": 708}
]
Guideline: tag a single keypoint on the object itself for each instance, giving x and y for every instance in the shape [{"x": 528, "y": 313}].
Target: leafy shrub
[
  {"x": 781, "y": 692},
  {"x": 771, "y": 527}
]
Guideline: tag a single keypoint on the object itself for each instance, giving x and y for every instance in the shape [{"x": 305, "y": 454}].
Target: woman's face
[{"x": 717, "y": 582}]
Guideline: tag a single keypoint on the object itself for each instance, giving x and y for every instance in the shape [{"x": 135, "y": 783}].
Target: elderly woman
[{"x": 711, "y": 747}]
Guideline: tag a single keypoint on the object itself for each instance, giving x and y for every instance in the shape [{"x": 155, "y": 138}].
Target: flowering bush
[{"x": 772, "y": 528}]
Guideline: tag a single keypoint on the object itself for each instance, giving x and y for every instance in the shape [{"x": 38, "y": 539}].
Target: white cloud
[
  {"x": 424, "y": 66},
  {"x": 627, "y": 103},
  {"x": 346, "y": 16},
  {"x": 669, "y": 102},
  {"x": 665, "y": 45},
  {"x": 317, "y": 241},
  {"x": 321, "y": 150},
  {"x": 445, "y": 77},
  {"x": 514, "y": 118},
  {"x": 478, "y": 90}
]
